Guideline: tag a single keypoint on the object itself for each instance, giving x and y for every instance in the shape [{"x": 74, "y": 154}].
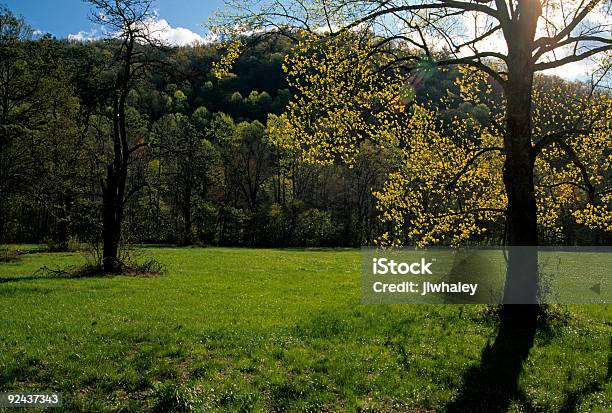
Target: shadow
[
  {"x": 26, "y": 278},
  {"x": 71, "y": 273},
  {"x": 493, "y": 384},
  {"x": 313, "y": 249},
  {"x": 609, "y": 374},
  {"x": 574, "y": 398},
  {"x": 7, "y": 280},
  {"x": 166, "y": 245},
  {"x": 129, "y": 268}
]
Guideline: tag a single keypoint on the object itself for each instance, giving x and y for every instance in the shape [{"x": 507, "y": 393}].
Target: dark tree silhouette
[{"x": 127, "y": 21}]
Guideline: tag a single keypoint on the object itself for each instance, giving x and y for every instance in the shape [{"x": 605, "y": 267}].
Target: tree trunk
[
  {"x": 62, "y": 227},
  {"x": 114, "y": 189},
  {"x": 111, "y": 226},
  {"x": 522, "y": 232},
  {"x": 187, "y": 216},
  {"x": 116, "y": 174}
]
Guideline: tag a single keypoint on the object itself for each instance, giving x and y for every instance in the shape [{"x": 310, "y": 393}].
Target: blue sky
[
  {"x": 179, "y": 22},
  {"x": 64, "y": 17}
]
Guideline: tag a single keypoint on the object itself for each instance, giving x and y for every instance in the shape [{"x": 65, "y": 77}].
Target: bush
[
  {"x": 315, "y": 228},
  {"x": 278, "y": 226},
  {"x": 233, "y": 225},
  {"x": 205, "y": 218},
  {"x": 7, "y": 255}
]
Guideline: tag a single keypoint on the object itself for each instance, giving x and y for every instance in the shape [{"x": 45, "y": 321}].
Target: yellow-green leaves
[
  {"x": 449, "y": 187},
  {"x": 223, "y": 67},
  {"x": 344, "y": 96}
]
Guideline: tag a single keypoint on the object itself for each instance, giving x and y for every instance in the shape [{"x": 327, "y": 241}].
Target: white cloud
[
  {"x": 158, "y": 29},
  {"x": 85, "y": 36},
  {"x": 211, "y": 37},
  {"x": 161, "y": 30}
]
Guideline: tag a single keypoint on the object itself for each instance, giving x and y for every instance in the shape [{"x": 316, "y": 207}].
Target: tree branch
[
  {"x": 469, "y": 163},
  {"x": 571, "y": 59}
]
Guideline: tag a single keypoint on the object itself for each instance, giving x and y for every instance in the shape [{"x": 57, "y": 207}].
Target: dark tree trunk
[
  {"x": 522, "y": 272},
  {"x": 63, "y": 230},
  {"x": 111, "y": 224},
  {"x": 113, "y": 189},
  {"x": 187, "y": 216},
  {"x": 521, "y": 284}
]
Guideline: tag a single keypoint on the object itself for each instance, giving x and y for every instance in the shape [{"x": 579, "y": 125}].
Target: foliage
[
  {"x": 342, "y": 98},
  {"x": 239, "y": 160},
  {"x": 449, "y": 188},
  {"x": 7, "y": 254}
]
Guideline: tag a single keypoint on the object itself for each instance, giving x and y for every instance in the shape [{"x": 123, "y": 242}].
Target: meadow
[{"x": 229, "y": 329}]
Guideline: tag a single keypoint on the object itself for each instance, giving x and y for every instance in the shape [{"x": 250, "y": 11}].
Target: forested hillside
[{"x": 201, "y": 167}]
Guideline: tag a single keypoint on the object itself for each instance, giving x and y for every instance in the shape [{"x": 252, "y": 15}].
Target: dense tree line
[
  {"x": 181, "y": 156},
  {"x": 200, "y": 170}
]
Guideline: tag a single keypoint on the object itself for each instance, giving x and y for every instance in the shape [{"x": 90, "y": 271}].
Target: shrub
[
  {"x": 315, "y": 228},
  {"x": 7, "y": 255}
]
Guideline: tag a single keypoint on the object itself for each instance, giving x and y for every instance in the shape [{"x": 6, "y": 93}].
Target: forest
[{"x": 201, "y": 164}]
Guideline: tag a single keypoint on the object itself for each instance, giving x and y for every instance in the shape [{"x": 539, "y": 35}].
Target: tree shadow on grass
[
  {"x": 609, "y": 374},
  {"x": 24, "y": 278},
  {"x": 493, "y": 384},
  {"x": 54, "y": 275},
  {"x": 315, "y": 249},
  {"x": 574, "y": 398},
  {"x": 148, "y": 268}
]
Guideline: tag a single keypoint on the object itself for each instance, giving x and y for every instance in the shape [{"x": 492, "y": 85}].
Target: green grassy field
[{"x": 269, "y": 330}]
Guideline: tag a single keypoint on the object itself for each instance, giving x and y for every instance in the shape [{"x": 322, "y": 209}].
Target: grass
[{"x": 269, "y": 330}]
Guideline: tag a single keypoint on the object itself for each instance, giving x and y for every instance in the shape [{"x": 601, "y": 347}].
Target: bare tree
[{"x": 127, "y": 24}]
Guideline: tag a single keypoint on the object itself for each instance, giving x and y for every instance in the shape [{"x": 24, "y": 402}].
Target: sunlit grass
[{"x": 267, "y": 330}]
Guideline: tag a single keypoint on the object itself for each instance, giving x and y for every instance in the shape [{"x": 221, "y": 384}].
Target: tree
[
  {"x": 19, "y": 86},
  {"x": 36, "y": 102},
  {"x": 509, "y": 41},
  {"x": 449, "y": 188},
  {"x": 224, "y": 135},
  {"x": 188, "y": 165},
  {"x": 252, "y": 160},
  {"x": 127, "y": 21}
]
